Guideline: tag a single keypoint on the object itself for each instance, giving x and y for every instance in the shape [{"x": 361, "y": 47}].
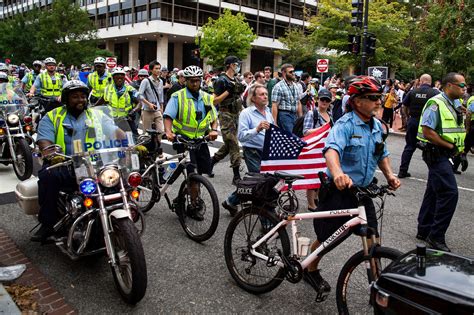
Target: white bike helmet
[
  {"x": 118, "y": 70},
  {"x": 37, "y": 62},
  {"x": 99, "y": 60},
  {"x": 3, "y": 77},
  {"x": 192, "y": 71},
  {"x": 73, "y": 85},
  {"x": 4, "y": 68},
  {"x": 49, "y": 60}
]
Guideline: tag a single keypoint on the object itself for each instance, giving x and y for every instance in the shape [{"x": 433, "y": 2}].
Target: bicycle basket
[{"x": 257, "y": 188}]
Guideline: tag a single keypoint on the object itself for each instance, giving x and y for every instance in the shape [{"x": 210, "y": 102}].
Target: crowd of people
[{"x": 192, "y": 103}]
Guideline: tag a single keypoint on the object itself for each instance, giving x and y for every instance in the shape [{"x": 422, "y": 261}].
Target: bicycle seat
[{"x": 288, "y": 176}]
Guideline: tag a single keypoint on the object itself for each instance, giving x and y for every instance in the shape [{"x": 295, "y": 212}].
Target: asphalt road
[{"x": 184, "y": 276}]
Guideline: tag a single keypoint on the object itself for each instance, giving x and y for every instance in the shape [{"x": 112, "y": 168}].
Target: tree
[
  {"x": 228, "y": 35},
  {"x": 43, "y": 33}
]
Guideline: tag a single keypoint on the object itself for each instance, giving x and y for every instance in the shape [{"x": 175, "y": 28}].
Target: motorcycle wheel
[
  {"x": 130, "y": 274},
  {"x": 23, "y": 166}
]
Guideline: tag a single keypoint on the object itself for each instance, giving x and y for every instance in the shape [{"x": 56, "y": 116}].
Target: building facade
[{"x": 139, "y": 31}]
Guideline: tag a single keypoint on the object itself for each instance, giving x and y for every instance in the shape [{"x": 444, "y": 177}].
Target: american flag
[{"x": 283, "y": 151}]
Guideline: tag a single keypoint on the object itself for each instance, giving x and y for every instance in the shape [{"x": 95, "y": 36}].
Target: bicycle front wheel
[
  {"x": 251, "y": 273},
  {"x": 148, "y": 192},
  {"x": 199, "y": 210},
  {"x": 353, "y": 284}
]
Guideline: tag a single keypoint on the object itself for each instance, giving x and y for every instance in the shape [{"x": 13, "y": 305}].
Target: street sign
[
  {"x": 111, "y": 62},
  {"x": 322, "y": 65},
  {"x": 380, "y": 73}
]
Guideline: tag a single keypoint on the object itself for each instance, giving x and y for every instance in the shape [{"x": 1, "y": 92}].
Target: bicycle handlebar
[{"x": 193, "y": 142}]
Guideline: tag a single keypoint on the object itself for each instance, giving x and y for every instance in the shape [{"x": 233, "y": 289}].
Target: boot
[
  {"x": 236, "y": 178},
  {"x": 211, "y": 170}
]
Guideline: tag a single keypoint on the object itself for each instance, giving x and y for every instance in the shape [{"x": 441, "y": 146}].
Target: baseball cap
[
  {"x": 164, "y": 69},
  {"x": 323, "y": 93},
  {"x": 142, "y": 72},
  {"x": 231, "y": 59},
  {"x": 332, "y": 86}
]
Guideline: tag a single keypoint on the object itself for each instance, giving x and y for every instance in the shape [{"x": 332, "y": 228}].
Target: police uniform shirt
[
  {"x": 172, "y": 107},
  {"x": 39, "y": 85},
  {"x": 470, "y": 106},
  {"x": 71, "y": 125},
  {"x": 103, "y": 77},
  {"x": 134, "y": 96},
  {"x": 359, "y": 146},
  {"x": 416, "y": 99},
  {"x": 431, "y": 118}
]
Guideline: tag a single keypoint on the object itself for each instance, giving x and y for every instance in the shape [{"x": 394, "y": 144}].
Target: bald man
[{"x": 414, "y": 101}]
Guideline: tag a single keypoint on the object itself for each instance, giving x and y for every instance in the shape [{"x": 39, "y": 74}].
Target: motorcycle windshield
[
  {"x": 12, "y": 100},
  {"x": 103, "y": 142}
]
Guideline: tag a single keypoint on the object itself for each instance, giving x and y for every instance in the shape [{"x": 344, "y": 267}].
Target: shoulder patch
[{"x": 434, "y": 107}]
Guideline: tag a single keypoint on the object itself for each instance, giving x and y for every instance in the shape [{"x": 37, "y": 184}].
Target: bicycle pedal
[
  {"x": 271, "y": 261},
  {"x": 321, "y": 297}
]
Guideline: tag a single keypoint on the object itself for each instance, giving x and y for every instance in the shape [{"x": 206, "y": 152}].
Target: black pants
[
  {"x": 387, "y": 116},
  {"x": 336, "y": 199},
  {"x": 410, "y": 146}
]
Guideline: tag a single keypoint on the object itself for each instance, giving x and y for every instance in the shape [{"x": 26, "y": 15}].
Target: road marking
[{"x": 425, "y": 181}]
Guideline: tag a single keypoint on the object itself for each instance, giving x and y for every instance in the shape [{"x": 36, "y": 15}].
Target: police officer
[
  {"x": 57, "y": 127},
  {"x": 121, "y": 98},
  {"x": 190, "y": 112},
  {"x": 227, "y": 91},
  {"x": 461, "y": 159},
  {"x": 4, "y": 68},
  {"x": 30, "y": 77},
  {"x": 98, "y": 80},
  {"x": 354, "y": 149},
  {"x": 414, "y": 102},
  {"x": 49, "y": 83},
  {"x": 442, "y": 131}
]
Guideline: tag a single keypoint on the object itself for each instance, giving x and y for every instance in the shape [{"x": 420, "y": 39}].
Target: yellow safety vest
[
  {"x": 98, "y": 86},
  {"x": 49, "y": 89},
  {"x": 186, "y": 123},
  {"x": 469, "y": 101},
  {"x": 58, "y": 115},
  {"x": 120, "y": 106},
  {"x": 31, "y": 79},
  {"x": 451, "y": 131}
]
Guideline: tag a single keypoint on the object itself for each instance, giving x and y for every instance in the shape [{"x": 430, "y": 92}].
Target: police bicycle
[
  {"x": 259, "y": 254},
  {"x": 196, "y": 204}
]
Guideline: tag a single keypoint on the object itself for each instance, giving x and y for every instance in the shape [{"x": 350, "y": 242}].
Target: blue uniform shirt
[
  {"x": 172, "y": 107},
  {"x": 46, "y": 129},
  {"x": 248, "y": 121},
  {"x": 355, "y": 142},
  {"x": 430, "y": 117}
]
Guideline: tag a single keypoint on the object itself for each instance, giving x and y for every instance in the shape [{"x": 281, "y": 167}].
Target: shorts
[{"x": 336, "y": 199}]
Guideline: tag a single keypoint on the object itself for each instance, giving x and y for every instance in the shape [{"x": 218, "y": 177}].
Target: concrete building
[{"x": 139, "y": 31}]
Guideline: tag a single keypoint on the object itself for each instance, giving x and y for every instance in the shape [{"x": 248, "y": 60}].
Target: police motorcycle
[
  {"x": 14, "y": 125},
  {"x": 99, "y": 215}
]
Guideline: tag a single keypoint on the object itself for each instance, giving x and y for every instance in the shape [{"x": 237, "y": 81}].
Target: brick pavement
[{"x": 50, "y": 301}]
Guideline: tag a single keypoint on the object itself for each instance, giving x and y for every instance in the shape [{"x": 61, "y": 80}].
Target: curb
[{"x": 49, "y": 300}]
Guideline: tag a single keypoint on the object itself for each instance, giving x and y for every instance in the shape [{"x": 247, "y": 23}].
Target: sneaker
[
  {"x": 435, "y": 244},
  {"x": 232, "y": 209},
  {"x": 196, "y": 212},
  {"x": 42, "y": 234},
  {"x": 403, "y": 174},
  {"x": 315, "y": 279}
]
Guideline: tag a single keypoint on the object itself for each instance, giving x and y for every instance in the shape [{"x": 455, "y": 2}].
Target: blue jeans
[{"x": 286, "y": 120}]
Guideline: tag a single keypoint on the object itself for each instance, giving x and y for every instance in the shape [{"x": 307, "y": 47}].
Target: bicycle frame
[{"x": 361, "y": 218}]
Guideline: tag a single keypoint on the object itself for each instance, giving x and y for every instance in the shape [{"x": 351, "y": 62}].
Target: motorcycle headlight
[
  {"x": 109, "y": 177},
  {"x": 13, "y": 119}
]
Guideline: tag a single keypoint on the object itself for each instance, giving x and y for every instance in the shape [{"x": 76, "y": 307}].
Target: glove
[
  {"x": 454, "y": 151},
  {"x": 464, "y": 162}
]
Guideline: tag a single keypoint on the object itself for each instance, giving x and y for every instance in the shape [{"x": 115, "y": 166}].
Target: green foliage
[
  {"x": 63, "y": 31},
  {"x": 228, "y": 35}
]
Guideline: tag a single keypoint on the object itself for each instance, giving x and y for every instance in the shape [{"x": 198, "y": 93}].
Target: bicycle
[
  {"x": 199, "y": 214},
  {"x": 259, "y": 257}
]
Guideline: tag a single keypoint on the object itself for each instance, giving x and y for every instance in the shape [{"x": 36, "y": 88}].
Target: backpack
[{"x": 298, "y": 127}]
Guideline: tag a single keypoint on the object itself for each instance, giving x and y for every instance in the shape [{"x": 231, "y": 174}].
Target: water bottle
[{"x": 169, "y": 170}]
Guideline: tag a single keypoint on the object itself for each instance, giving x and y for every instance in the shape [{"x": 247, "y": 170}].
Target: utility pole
[{"x": 363, "y": 62}]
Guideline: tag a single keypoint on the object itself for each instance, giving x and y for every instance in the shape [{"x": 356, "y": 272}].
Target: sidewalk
[{"x": 45, "y": 299}]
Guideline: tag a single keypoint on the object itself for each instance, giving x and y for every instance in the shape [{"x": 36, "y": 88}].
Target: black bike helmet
[{"x": 70, "y": 86}]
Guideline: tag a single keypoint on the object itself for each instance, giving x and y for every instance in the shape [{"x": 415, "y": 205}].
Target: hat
[
  {"x": 175, "y": 69},
  {"x": 323, "y": 93},
  {"x": 126, "y": 69},
  {"x": 164, "y": 69},
  {"x": 142, "y": 72},
  {"x": 332, "y": 86},
  {"x": 231, "y": 59}
]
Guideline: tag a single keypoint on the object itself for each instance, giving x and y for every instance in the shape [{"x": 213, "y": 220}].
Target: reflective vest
[
  {"x": 451, "y": 131},
  {"x": 120, "y": 106},
  {"x": 186, "y": 123},
  {"x": 58, "y": 115},
  {"x": 468, "y": 103},
  {"x": 49, "y": 89},
  {"x": 31, "y": 77},
  {"x": 97, "y": 84}
]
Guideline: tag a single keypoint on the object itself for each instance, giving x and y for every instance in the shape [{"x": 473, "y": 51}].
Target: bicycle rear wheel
[
  {"x": 199, "y": 217},
  {"x": 353, "y": 284},
  {"x": 251, "y": 273}
]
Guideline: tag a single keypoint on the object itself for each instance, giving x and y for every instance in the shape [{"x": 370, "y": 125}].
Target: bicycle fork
[{"x": 371, "y": 263}]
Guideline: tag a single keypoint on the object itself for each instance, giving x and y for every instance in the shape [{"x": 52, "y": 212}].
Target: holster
[{"x": 431, "y": 154}]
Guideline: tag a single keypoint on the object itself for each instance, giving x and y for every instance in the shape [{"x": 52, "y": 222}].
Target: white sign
[
  {"x": 380, "y": 73},
  {"x": 322, "y": 66}
]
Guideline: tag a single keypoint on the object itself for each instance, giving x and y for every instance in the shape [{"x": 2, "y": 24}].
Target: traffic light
[
  {"x": 357, "y": 12},
  {"x": 370, "y": 44},
  {"x": 354, "y": 44}
]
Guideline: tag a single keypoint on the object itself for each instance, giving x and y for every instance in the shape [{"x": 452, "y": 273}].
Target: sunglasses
[
  {"x": 325, "y": 99},
  {"x": 461, "y": 85},
  {"x": 373, "y": 98},
  {"x": 291, "y": 72}
]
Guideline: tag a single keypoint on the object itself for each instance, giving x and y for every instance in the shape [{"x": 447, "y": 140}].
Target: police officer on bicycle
[
  {"x": 442, "y": 133},
  {"x": 354, "y": 149}
]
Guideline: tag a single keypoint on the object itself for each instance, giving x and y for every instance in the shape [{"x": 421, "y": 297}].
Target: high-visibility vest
[
  {"x": 97, "y": 84},
  {"x": 451, "y": 131},
  {"x": 186, "y": 123},
  {"x": 469, "y": 101},
  {"x": 120, "y": 106},
  {"x": 58, "y": 115},
  {"x": 47, "y": 87},
  {"x": 31, "y": 77}
]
